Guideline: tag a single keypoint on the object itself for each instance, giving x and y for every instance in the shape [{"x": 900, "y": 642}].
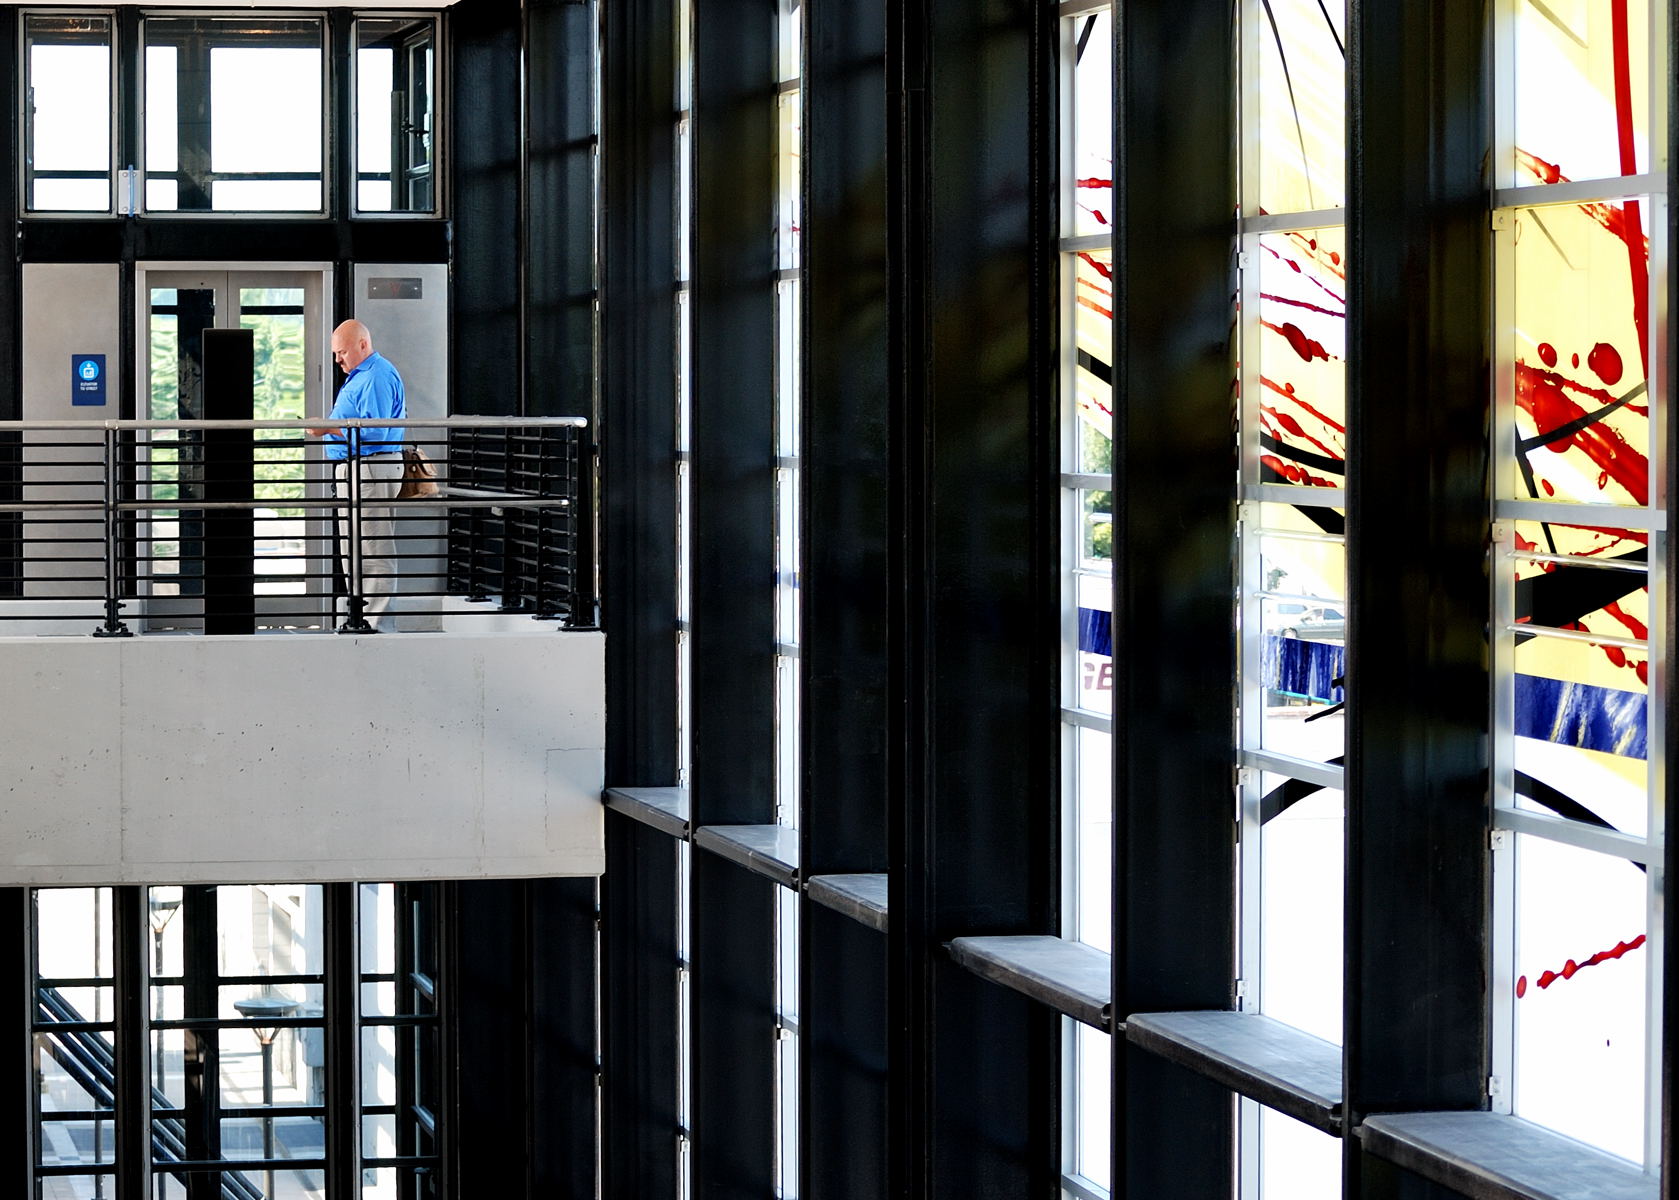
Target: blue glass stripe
[
  {"x": 1096, "y": 631},
  {"x": 1582, "y": 715},
  {"x": 1302, "y": 668}
]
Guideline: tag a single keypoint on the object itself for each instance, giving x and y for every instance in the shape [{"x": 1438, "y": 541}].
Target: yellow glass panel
[
  {"x": 1302, "y": 105},
  {"x": 1301, "y": 347}
]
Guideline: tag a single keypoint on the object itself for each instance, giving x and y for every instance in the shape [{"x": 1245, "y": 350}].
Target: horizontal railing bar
[{"x": 305, "y": 423}]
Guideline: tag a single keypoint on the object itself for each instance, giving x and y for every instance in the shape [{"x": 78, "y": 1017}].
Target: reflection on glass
[
  {"x": 1300, "y": 918},
  {"x": 1301, "y": 354},
  {"x": 215, "y": 124},
  {"x": 395, "y": 60},
  {"x": 1581, "y": 349},
  {"x": 787, "y": 165},
  {"x": 264, "y": 928},
  {"x": 69, "y": 114},
  {"x": 1090, "y": 48},
  {"x": 1095, "y": 665},
  {"x": 61, "y": 1076},
  {"x": 1581, "y": 991},
  {"x": 1582, "y": 89},
  {"x": 378, "y": 1065},
  {"x": 1296, "y": 1162},
  {"x": 1093, "y": 346},
  {"x": 1303, "y": 630},
  {"x": 73, "y": 939},
  {"x": 1302, "y": 106},
  {"x": 78, "y": 1143},
  {"x": 378, "y": 928}
]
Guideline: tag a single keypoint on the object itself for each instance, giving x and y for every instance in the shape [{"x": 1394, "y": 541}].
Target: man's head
[{"x": 351, "y": 344}]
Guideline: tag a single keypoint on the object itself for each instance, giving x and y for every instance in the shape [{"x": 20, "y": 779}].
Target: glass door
[{"x": 284, "y": 312}]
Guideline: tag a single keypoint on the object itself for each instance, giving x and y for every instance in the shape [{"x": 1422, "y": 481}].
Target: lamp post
[
  {"x": 270, "y": 1007},
  {"x": 164, "y": 903}
]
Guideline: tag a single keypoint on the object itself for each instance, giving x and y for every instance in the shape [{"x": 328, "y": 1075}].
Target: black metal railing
[{"x": 239, "y": 526}]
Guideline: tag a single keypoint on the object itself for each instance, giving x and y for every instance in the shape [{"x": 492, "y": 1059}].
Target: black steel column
[
  {"x": 201, "y": 1048},
  {"x": 229, "y": 477},
  {"x": 17, "y": 981},
  {"x": 130, "y": 1037},
  {"x": 638, "y": 401},
  {"x": 1419, "y": 315},
  {"x": 639, "y": 1010},
  {"x": 560, "y": 228},
  {"x": 845, "y": 543},
  {"x": 1174, "y": 810},
  {"x": 974, "y": 1098},
  {"x": 485, "y": 135},
  {"x": 562, "y": 1036},
  {"x": 341, "y": 920}
]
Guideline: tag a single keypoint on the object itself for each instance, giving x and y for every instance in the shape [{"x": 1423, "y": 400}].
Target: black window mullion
[
  {"x": 192, "y": 123},
  {"x": 133, "y": 1098},
  {"x": 200, "y": 1115},
  {"x": 341, "y": 1009}
]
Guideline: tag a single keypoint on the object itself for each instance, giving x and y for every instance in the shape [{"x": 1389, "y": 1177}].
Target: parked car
[{"x": 1319, "y": 624}]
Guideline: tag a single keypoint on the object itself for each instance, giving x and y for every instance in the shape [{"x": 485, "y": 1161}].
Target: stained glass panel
[
  {"x": 1580, "y": 994},
  {"x": 1302, "y": 342},
  {"x": 788, "y": 115},
  {"x": 1303, "y": 614},
  {"x": 1302, "y": 105},
  {"x": 1093, "y": 342},
  {"x": 1090, "y": 48},
  {"x": 1581, "y": 347},
  {"x": 1582, "y": 89},
  {"x": 1300, "y": 918},
  {"x": 1094, "y": 688}
]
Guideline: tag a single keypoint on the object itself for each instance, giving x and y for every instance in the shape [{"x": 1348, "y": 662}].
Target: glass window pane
[
  {"x": 69, "y": 113},
  {"x": 1581, "y": 992},
  {"x": 78, "y": 1143},
  {"x": 291, "y": 1081},
  {"x": 1090, "y": 47},
  {"x": 1301, "y": 351},
  {"x": 378, "y": 1065},
  {"x": 264, "y": 928},
  {"x": 1581, "y": 337},
  {"x": 211, "y": 88},
  {"x": 62, "y": 1079},
  {"x": 1582, "y": 89},
  {"x": 788, "y": 216},
  {"x": 1300, "y": 920},
  {"x": 1093, "y": 851},
  {"x": 1302, "y": 655},
  {"x": 395, "y": 115},
  {"x": 73, "y": 933},
  {"x": 1296, "y": 1161},
  {"x": 1302, "y": 106},
  {"x": 1093, "y": 1062},
  {"x": 1092, "y": 383}
]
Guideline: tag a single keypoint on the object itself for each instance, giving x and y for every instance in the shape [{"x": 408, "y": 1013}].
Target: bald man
[{"x": 372, "y": 391}]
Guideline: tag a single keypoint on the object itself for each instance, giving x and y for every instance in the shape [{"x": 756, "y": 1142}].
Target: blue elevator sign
[{"x": 87, "y": 379}]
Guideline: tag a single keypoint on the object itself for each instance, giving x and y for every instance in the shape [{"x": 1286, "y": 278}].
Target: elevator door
[{"x": 283, "y": 310}]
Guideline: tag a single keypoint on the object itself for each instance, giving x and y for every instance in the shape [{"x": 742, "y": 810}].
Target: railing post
[
  {"x": 112, "y": 627},
  {"x": 584, "y": 608},
  {"x": 355, "y": 620}
]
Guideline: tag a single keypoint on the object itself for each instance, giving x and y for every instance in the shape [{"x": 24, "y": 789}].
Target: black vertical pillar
[
  {"x": 560, "y": 185},
  {"x": 485, "y": 135},
  {"x": 229, "y": 477},
  {"x": 638, "y": 1018},
  {"x": 341, "y": 920},
  {"x": 1174, "y": 903},
  {"x": 562, "y": 1049},
  {"x": 17, "y": 1003},
  {"x": 638, "y": 402},
  {"x": 201, "y": 1051},
  {"x": 972, "y": 829},
  {"x": 733, "y": 537},
  {"x": 1418, "y": 309},
  {"x": 132, "y": 1092},
  {"x": 844, "y": 595}
]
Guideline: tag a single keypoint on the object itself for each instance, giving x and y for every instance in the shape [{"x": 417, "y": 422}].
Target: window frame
[
  {"x": 26, "y": 117},
  {"x": 351, "y": 122}
]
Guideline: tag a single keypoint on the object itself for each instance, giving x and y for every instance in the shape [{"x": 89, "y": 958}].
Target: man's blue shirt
[{"x": 371, "y": 391}]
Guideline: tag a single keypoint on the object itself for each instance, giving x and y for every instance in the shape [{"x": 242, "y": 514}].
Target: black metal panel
[
  {"x": 842, "y": 1057},
  {"x": 1174, "y": 928},
  {"x": 487, "y": 977},
  {"x": 485, "y": 131},
  {"x": 638, "y": 1010},
  {"x": 559, "y": 182},
  {"x": 229, "y": 476},
  {"x": 733, "y": 396},
  {"x": 1418, "y": 304},
  {"x": 562, "y": 1033},
  {"x": 972, "y": 828},
  {"x": 733, "y": 1012},
  {"x": 212, "y": 239},
  {"x": 341, "y": 924},
  {"x": 844, "y": 540},
  {"x": 17, "y": 1003},
  {"x": 638, "y": 403}
]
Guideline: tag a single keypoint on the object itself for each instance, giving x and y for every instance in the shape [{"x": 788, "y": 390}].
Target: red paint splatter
[
  {"x": 1307, "y": 348},
  {"x": 1637, "y": 261},
  {"x": 1295, "y": 473},
  {"x": 1617, "y": 657},
  {"x": 1605, "y": 362},
  {"x": 1547, "y": 354},
  {"x": 1095, "y": 183},
  {"x": 1572, "y": 968},
  {"x": 1100, "y": 219},
  {"x": 1576, "y": 362},
  {"x": 1634, "y": 626},
  {"x": 1521, "y": 987},
  {"x": 1540, "y": 395},
  {"x": 1292, "y": 426},
  {"x": 1644, "y": 673},
  {"x": 1328, "y": 312},
  {"x": 1086, "y": 302},
  {"x": 1546, "y": 484},
  {"x": 1105, "y": 270},
  {"x": 1295, "y": 267},
  {"x": 1545, "y": 172}
]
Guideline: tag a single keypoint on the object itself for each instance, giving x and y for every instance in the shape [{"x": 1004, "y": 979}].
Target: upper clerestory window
[
  {"x": 395, "y": 119},
  {"x": 67, "y": 114},
  {"x": 234, "y": 115}
]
